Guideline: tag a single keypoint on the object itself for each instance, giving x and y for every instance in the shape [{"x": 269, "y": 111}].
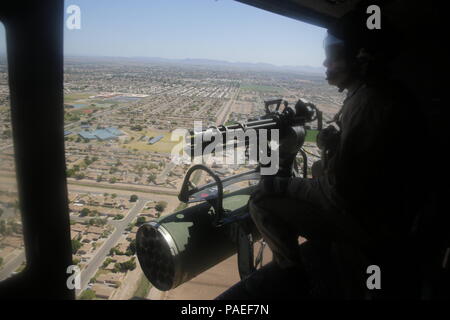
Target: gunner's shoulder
[{"x": 374, "y": 93}]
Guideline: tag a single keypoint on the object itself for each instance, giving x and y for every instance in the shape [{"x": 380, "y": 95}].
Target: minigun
[{"x": 177, "y": 247}]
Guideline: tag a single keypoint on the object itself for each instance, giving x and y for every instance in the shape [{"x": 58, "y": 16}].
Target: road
[
  {"x": 103, "y": 251},
  {"x": 168, "y": 168},
  {"x": 223, "y": 113},
  {"x": 11, "y": 266},
  {"x": 120, "y": 226},
  {"x": 123, "y": 187}
]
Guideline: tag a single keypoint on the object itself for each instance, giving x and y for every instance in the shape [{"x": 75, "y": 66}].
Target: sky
[{"x": 199, "y": 29}]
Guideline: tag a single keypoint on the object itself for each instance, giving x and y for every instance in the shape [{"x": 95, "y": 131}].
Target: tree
[
  {"x": 99, "y": 178},
  {"x": 97, "y": 222},
  {"x": 87, "y": 294},
  {"x": 118, "y": 216},
  {"x": 113, "y": 180},
  {"x": 151, "y": 178},
  {"x": 129, "y": 265},
  {"x": 133, "y": 198},
  {"x": 113, "y": 170},
  {"x": 132, "y": 247},
  {"x": 125, "y": 266},
  {"x": 106, "y": 262},
  {"x": 1, "y": 261},
  {"x": 75, "y": 246},
  {"x": 15, "y": 227},
  {"x": 87, "y": 161},
  {"x": 160, "y": 206},
  {"x": 140, "y": 221},
  {"x": 79, "y": 176},
  {"x": 113, "y": 196},
  {"x": 70, "y": 173},
  {"x": 153, "y": 166},
  {"x": 84, "y": 212},
  {"x": 2, "y": 227}
]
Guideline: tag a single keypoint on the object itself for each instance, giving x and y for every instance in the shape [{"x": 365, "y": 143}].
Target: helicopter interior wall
[{"x": 317, "y": 12}]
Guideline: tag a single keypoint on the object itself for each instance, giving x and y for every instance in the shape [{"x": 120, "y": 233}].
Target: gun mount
[{"x": 178, "y": 247}]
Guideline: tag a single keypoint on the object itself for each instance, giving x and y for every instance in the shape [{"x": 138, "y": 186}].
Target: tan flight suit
[{"x": 346, "y": 206}]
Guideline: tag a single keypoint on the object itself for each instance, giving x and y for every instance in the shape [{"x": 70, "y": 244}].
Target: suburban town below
[{"x": 119, "y": 115}]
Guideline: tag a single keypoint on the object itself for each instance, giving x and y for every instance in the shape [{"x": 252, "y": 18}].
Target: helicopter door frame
[{"x": 34, "y": 35}]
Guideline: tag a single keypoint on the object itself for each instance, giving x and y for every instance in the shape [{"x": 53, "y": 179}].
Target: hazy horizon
[{"x": 224, "y": 30}]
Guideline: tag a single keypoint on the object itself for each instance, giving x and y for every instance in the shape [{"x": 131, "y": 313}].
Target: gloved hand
[
  {"x": 271, "y": 186},
  {"x": 328, "y": 138}
]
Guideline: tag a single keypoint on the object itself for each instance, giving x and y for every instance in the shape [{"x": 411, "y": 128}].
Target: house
[
  {"x": 109, "y": 203},
  {"x": 122, "y": 247},
  {"x": 155, "y": 139},
  {"x": 120, "y": 259},
  {"x": 95, "y": 200},
  {"x": 102, "y": 291},
  {"x": 85, "y": 248},
  {"x": 72, "y": 197},
  {"x": 12, "y": 241},
  {"x": 131, "y": 236},
  {"x": 148, "y": 214},
  {"x": 78, "y": 227},
  {"x": 4, "y": 252},
  {"x": 95, "y": 230},
  {"x": 114, "y": 131},
  {"x": 110, "y": 278},
  {"x": 90, "y": 237},
  {"x": 74, "y": 234},
  {"x": 86, "y": 134}
]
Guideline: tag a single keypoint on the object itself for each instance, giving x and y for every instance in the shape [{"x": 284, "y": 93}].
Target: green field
[
  {"x": 72, "y": 97},
  {"x": 311, "y": 135}
]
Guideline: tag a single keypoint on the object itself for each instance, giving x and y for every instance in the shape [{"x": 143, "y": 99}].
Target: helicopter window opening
[
  {"x": 12, "y": 251},
  {"x": 136, "y": 71}
]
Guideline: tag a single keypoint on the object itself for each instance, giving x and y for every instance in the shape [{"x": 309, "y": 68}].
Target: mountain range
[{"x": 214, "y": 63}]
